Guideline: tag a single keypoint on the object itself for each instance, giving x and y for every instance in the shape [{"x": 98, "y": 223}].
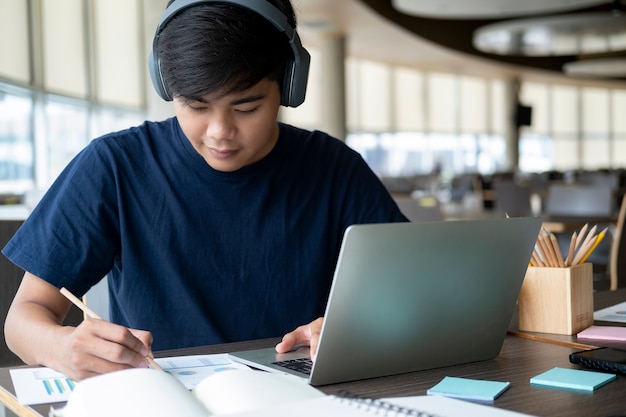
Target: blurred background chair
[
  {"x": 511, "y": 198},
  {"x": 462, "y": 185},
  {"x": 600, "y": 178},
  {"x": 591, "y": 204},
  {"x": 589, "y": 201},
  {"x": 618, "y": 251},
  {"x": 420, "y": 209}
]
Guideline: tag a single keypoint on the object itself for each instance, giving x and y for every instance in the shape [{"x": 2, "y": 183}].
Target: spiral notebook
[
  {"x": 414, "y": 296},
  {"x": 417, "y": 406}
]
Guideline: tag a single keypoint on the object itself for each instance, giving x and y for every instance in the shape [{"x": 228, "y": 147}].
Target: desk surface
[{"x": 519, "y": 360}]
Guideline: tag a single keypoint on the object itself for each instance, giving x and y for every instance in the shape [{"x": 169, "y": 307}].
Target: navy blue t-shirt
[{"x": 198, "y": 256}]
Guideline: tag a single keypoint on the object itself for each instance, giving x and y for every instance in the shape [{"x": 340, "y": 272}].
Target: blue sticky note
[
  {"x": 573, "y": 379},
  {"x": 469, "y": 389}
]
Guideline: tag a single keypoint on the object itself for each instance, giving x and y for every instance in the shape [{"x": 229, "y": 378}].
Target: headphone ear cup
[
  {"x": 286, "y": 98},
  {"x": 296, "y": 77},
  {"x": 154, "y": 67}
]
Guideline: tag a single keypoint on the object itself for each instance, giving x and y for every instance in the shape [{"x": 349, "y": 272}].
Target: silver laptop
[{"x": 414, "y": 296}]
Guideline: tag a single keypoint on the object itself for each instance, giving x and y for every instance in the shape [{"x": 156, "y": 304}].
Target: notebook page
[
  {"x": 133, "y": 392},
  {"x": 435, "y": 406}
]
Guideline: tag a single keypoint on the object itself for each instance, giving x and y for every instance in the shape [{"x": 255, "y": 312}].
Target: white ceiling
[{"x": 370, "y": 36}]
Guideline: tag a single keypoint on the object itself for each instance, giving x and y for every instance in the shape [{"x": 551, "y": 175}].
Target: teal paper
[
  {"x": 574, "y": 379},
  {"x": 470, "y": 389}
]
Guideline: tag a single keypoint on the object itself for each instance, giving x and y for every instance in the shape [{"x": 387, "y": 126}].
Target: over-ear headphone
[{"x": 296, "y": 73}]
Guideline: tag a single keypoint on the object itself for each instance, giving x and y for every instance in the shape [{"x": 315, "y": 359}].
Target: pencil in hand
[{"x": 76, "y": 301}]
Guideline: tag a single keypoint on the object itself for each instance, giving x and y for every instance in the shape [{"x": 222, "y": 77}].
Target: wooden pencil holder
[{"x": 556, "y": 300}]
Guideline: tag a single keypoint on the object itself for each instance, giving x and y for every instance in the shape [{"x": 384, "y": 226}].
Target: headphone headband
[{"x": 296, "y": 74}]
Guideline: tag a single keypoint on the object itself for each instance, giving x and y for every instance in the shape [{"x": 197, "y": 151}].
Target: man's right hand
[
  {"x": 34, "y": 331},
  {"x": 97, "y": 346}
]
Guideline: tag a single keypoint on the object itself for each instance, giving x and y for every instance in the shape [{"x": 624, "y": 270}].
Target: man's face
[{"x": 234, "y": 130}]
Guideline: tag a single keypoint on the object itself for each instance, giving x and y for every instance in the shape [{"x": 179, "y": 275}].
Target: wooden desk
[
  {"x": 601, "y": 300},
  {"x": 519, "y": 360}
]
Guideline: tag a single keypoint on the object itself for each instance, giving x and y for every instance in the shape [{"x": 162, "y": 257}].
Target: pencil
[
  {"x": 553, "y": 341},
  {"x": 570, "y": 254},
  {"x": 594, "y": 245},
  {"x": 76, "y": 301},
  {"x": 585, "y": 249},
  {"x": 581, "y": 236},
  {"x": 557, "y": 250},
  {"x": 536, "y": 259},
  {"x": 590, "y": 236},
  {"x": 585, "y": 245},
  {"x": 547, "y": 250}
]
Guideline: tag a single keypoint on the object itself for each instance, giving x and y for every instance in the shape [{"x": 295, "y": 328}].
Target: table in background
[
  {"x": 519, "y": 360},
  {"x": 562, "y": 224}
]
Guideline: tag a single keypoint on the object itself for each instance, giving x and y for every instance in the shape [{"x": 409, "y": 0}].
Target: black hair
[{"x": 218, "y": 47}]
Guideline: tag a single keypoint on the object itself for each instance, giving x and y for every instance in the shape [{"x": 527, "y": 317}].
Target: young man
[{"x": 218, "y": 225}]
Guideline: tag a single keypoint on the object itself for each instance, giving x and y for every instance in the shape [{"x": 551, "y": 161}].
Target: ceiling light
[
  {"x": 573, "y": 34},
  {"x": 605, "y": 67},
  {"x": 472, "y": 9}
]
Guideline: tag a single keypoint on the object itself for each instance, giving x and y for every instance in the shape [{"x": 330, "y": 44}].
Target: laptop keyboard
[{"x": 302, "y": 365}]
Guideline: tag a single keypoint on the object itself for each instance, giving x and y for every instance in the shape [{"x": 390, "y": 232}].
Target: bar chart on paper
[
  {"x": 191, "y": 370},
  {"x": 41, "y": 385}
]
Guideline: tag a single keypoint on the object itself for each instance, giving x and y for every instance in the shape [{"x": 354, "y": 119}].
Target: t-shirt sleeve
[
  {"x": 70, "y": 238},
  {"x": 365, "y": 197}
]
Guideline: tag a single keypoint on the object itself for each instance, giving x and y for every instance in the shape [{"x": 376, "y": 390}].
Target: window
[
  {"x": 64, "y": 49},
  {"x": 16, "y": 144},
  {"x": 535, "y": 153},
  {"x": 473, "y": 104},
  {"x": 14, "y": 41},
  {"x": 436, "y": 121},
  {"x": 595, "y": 128},
  {"x": 408, "y": 98},
  {"x": 564, "y": 109},
  {"x": 618, "y": 127},
  {"x": 119, "y": 55},
  {"x": 373, "y": 96},
  {"x": 442, "y": 102},
  {"x": 66, "y": 130},
  {"x": 40, "y": 131}
]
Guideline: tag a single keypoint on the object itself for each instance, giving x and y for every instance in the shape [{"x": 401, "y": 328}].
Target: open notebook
[
  {"x": 240, "y": 393},
  {"x": 413, "y": 296}
]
